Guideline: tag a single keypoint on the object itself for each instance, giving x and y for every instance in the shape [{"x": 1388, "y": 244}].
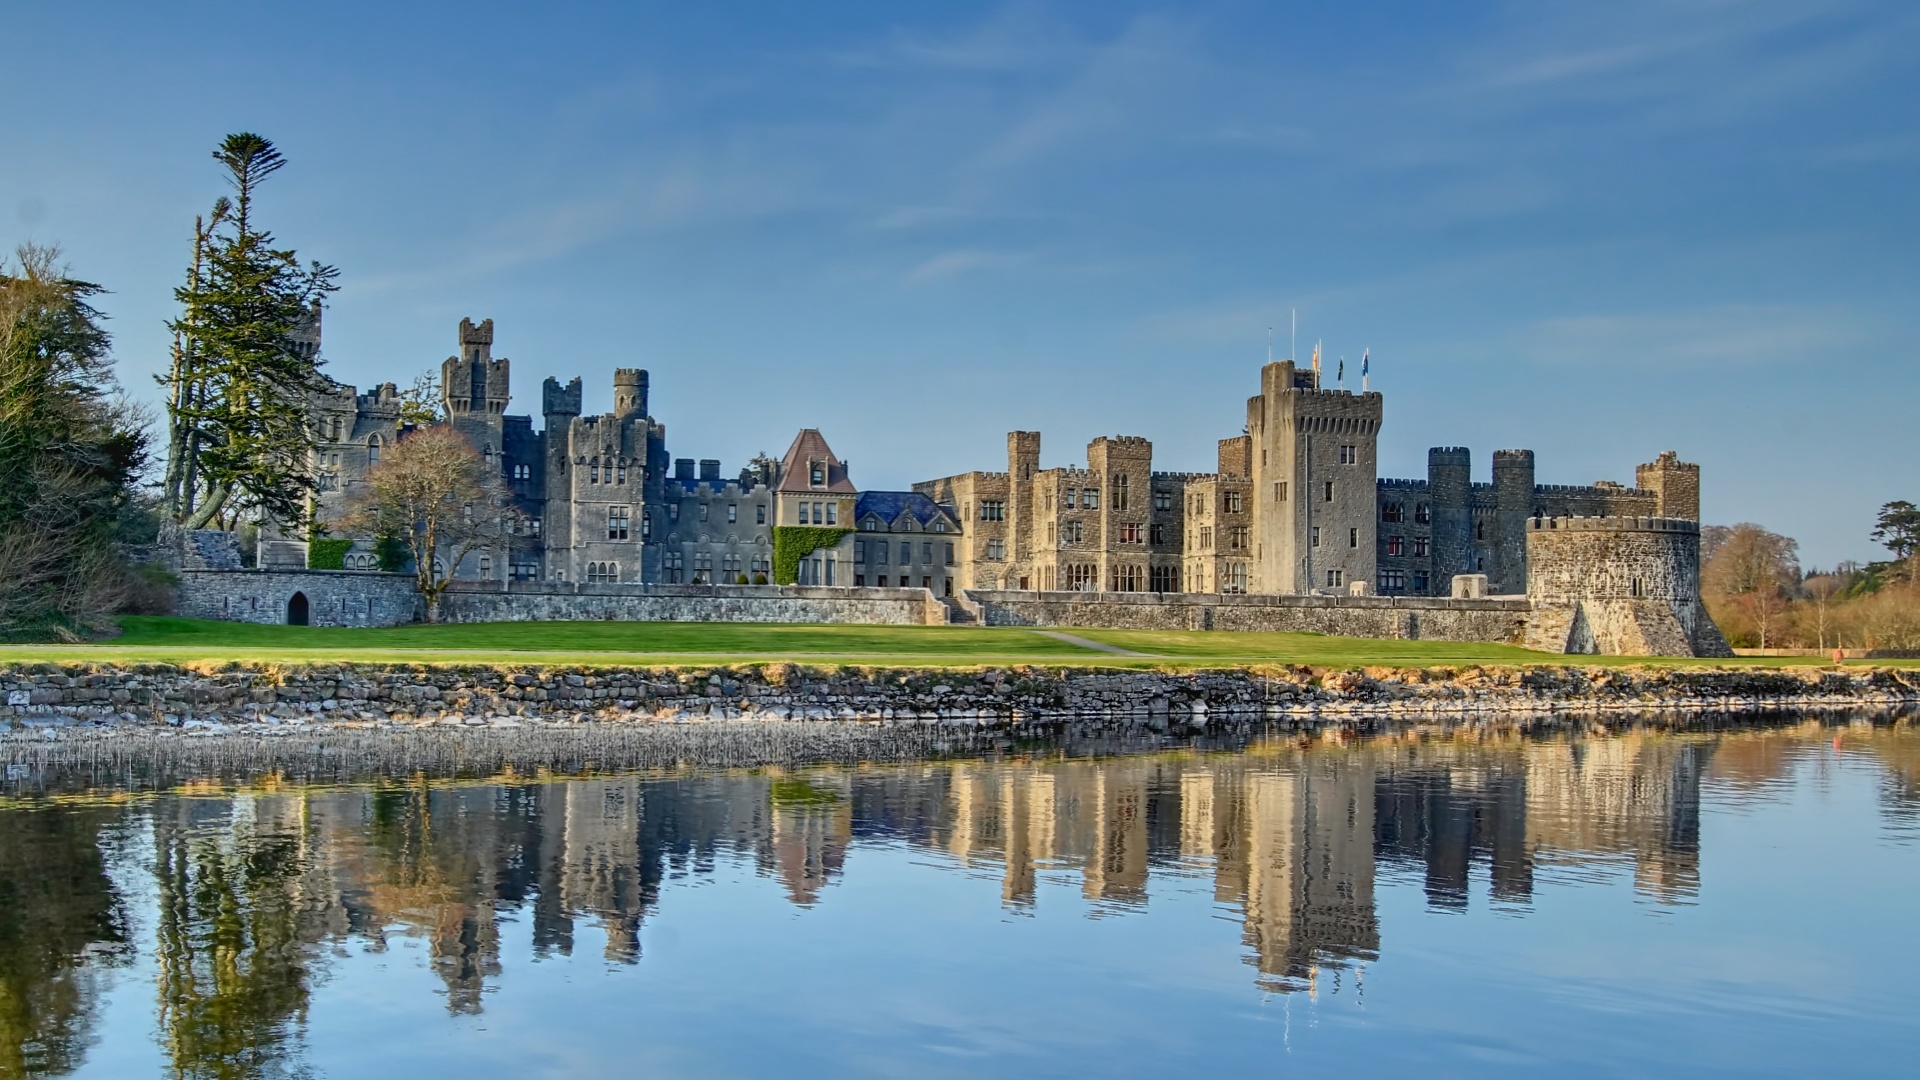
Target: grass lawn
[{"x": 148, "y": 638}]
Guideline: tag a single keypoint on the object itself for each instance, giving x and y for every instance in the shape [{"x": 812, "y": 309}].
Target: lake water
[{"x": 1730, "y": 902}]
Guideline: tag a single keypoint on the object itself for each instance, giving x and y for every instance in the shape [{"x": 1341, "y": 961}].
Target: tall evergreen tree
[
  {"x": 245, "y": 367},
  {"x": 68, "y": 454}
]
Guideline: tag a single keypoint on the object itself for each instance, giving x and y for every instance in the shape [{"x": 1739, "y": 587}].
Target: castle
[{"x": 1296, "y": 508}]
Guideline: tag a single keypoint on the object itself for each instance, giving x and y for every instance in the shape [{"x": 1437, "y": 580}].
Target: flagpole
[{"x": 1293, "y": 337}]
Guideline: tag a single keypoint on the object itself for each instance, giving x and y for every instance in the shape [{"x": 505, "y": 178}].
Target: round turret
[
  {"x": 629, "y": 392},
  {"x": 1613, "y": 558}
]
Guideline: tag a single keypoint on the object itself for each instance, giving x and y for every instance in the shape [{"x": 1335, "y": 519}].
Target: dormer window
[{"x": 817, "y": 473}]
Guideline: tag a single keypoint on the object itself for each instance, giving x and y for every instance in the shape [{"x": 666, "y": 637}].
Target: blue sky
[{"x": 1596, "y": 230}]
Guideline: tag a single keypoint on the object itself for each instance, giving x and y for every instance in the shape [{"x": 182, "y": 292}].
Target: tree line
[{"x": 1761, "y": 597}]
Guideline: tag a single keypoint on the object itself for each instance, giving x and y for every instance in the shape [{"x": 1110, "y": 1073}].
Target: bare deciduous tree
[
  {"x": 434, "y": 494},
  {"x": 1751, "y": 570}
]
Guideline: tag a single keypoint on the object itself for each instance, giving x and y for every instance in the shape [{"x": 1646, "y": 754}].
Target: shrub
[{"x": 328, "y": 554}]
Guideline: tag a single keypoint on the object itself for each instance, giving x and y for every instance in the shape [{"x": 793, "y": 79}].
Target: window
[
  {"x": 993, "y": 510},
  {"x": 760, "y": 515},
  {"x": 1234, "y": 579},
  {"x": 1422, "y": 515},
  {"x": 523, "y": 472},
  {"x": 1334, "y": 578},
  {"x": 1090, "y": 499},
  {"x": 906, "y": 553},
  {"x": 880, "y": 552},
  {"x": 602, "y": 572},
  {"x": 1329, "y": 497},
  {"x": 1420, "y": 547},
  {"x": 673, "y": 562},
  {"x": 1238, "y": 537},
  {"x": 996, "y": 549},
  {"x": 1396, "y": 545},
  {"x": 1120, "y": 492},
  {"x": 1163, "y": 500},
  {"x": 617, "y": 522},
  {"x": 1353, "y": 538},
  {"x": 535, "y": 522},
  {"x": 620, "y": 474},
  {"x": 1479, "y": 530},
  {"x": 817, "y": 473},
  {"x": 1313, "y": 537},
  {"x": 1393, "y": 581},
  {"x": 1129, "y": 532},
  {"x": 939, "y": 525},
  {"x": 949, "y": 554},
  {"x": 859, "y": 551},
  {"x": 1392, "y": 511},
  {"x": 1157, "y": 534},
  {"x": 1349, "y": 455},
  {"x": 1230, "y": 502},
  {"x": 926, "y": 553},
  {"x": 486, "y": 571},
  {"x": 673, "y": 511},
  {"x": 1164, "y": 579},
  {"x": 703, "y": 560},
  {"x": 833, "y": 513},
  {"x": 703, "y": 511},
  {"x": 1280, "y": 491},
  {"x": 593, "y": 474},
  {"x": 373, "y": 451},
  {"x": 1080, "y": 577},
  {"x": 646, "y": 527},
  {"x": 1124, "y": 578},
  {"x": 1072, "y": 532},
  {"x": 1206, "y": 538},
  {"x": 1635, "y": 586},
  {"x": 1419, "y": 581},
  {"x": 1479, "y": 564}
]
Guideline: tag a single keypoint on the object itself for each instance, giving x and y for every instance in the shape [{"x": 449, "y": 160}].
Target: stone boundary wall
[
  {"x": 40, "y": 699},
  {"x": 522, "y": 601},
  {"x": 1492, "y": 619},
  {"x": 334, "y": 597}
]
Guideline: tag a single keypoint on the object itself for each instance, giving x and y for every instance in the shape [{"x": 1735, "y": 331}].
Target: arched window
[{"x": 373, "y": 450}]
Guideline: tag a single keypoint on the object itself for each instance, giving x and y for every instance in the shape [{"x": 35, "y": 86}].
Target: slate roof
[
  {"x": 810, "y": 446},
  {"x": 889, "y": 505}
]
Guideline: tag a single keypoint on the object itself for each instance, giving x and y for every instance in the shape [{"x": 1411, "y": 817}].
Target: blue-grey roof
[{"x": 889, "y": 505}]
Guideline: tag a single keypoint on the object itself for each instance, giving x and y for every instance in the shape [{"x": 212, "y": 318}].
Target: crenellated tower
[{"x": 474, "y": 387}]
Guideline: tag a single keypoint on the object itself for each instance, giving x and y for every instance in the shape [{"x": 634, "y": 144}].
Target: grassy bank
[{"x": 170, "y": 640}]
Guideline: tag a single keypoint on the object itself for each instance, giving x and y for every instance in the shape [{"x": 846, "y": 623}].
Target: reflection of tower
[
  {"x": 1117, "y": 864},
  {"x": 603, "y": 872},
  {"x": 812, "y": 825},
  {"x": 1017, "y": 885},
  {"x": 1309, "y": 884},
  {"x": 1196, "y": 815},
  {"x": 1630, "y": 795}
]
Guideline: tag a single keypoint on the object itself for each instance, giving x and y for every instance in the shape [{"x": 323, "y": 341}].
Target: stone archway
[{"x": 297, "y": 610}]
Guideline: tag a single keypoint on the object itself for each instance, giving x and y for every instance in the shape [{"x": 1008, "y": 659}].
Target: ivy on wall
[
  {"x": 791, "y": 543},
  {"x": 328, "y": 554}
]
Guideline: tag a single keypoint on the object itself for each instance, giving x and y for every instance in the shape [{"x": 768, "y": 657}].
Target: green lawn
[{"x": 175, "y": 640}]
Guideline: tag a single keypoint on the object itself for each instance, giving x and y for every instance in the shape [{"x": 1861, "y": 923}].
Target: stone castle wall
[
  {"x": 334, "y": 597},
  {"x": 558, "y": 601},
  {"x": 1499, "y": 619}
]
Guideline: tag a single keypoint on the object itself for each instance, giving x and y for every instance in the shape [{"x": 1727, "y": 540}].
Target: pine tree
[{"x": 240, "y": 434}]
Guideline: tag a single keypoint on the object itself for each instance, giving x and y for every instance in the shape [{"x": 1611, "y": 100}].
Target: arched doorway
[{"x": 297, "y": 610}]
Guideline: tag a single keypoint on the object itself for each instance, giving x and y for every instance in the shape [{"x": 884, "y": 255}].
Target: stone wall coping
[
  {"x": 1251, "y": 600},
  {"x": 1613, "y": 524},
  {"x": 639, "y": 589},
  {"x": 291, "y": 571}
]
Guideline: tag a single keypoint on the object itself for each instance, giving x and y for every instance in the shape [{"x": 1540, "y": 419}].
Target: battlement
[
  {"x": 1450, "y": 455},
  {"x": 1193, "y": 477},
  {"x": 556, "y": 400},
  {"x": 629, "y": 392},
  {"x": 686, "y": 488},
  {"x": 1603, "y": 490},
  {"x": 476, "y": 335},
  {"x": 1614, "y": 524},
  {"x": 1512, "y": 458},
  {"x": 1402, "y": 485}
]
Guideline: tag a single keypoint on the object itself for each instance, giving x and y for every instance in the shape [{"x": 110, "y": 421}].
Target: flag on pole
[
  {"x": 1316, "y": 358},
  {"x": 1342, "y": 376},
  {"x": 1364, "y": 358}
]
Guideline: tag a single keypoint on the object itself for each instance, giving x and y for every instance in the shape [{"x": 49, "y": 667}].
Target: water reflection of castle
[{"x": 256, "y": 889}]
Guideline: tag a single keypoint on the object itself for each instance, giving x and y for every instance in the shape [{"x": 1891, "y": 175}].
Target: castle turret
[
  {"x": 474, "y": 387},
  {"x": 629, "y": 392},
  {"x": 1023, "y": 461},
  {"x": 1674, "y": 483},
  {"x": 1314, "y": 462},
  {"x": 1513, "y": 505},
  {"x": 1450, "y": 483},
  {"x": 1619, "y": 586}
]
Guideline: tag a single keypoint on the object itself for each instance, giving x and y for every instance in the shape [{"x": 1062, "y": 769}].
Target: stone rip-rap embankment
[{"x": 45, "y": 699}]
